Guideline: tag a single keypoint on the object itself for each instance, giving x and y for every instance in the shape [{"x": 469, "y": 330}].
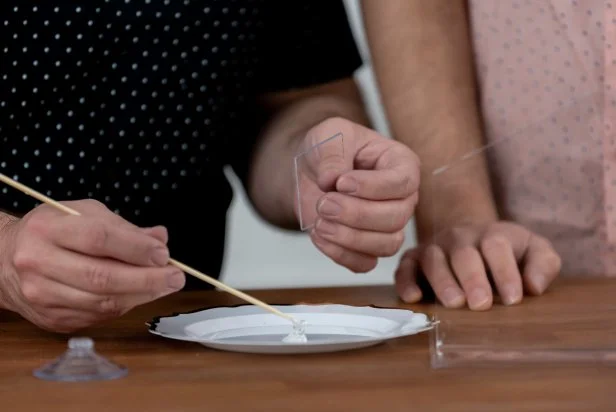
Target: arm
[
  {"x": 422, "y": 59},
  {"x": 293, "y": 113}
]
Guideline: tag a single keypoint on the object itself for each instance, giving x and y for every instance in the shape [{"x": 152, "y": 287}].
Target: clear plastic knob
[{"x": 80, "y": 363}]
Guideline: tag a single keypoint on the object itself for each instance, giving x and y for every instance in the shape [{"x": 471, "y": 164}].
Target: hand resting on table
[{"x": 462, "y": 262}]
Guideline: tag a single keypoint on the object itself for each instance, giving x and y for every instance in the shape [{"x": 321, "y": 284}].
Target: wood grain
[{"x": 166, "y": 375}]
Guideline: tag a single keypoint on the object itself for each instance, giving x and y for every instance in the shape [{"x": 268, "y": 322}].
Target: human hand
[
  {"x": 516, "y": 259},
  {"x": 360, "y": 198},
  {"x": 65, "y": 272}
]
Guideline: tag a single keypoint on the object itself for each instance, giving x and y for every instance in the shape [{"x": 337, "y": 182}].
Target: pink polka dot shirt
[{"x": 547, "y": 78}]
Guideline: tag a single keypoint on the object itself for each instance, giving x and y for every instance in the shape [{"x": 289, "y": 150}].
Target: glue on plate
[{"x": 298, "y": 334}]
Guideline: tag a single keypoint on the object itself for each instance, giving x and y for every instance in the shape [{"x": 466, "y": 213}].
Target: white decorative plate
[{"x": 329, "y": 327}]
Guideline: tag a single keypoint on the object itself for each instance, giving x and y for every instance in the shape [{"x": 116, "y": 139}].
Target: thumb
[
  {"x": 327, "y": 152},
  {"x": 329, "y": 169},
  {"x": 326, "y": 161}
]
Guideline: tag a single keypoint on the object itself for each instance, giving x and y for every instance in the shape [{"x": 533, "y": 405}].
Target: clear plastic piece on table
[
  {"x": 546, "y": 170},
  {"x": 316, "y": 166},
  {"x": 80, "y": 363}
]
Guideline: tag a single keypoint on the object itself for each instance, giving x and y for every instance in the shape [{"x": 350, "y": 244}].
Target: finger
[
  {"x": 99, "y": 238},
  {"x": 49, "y": 294},
  {"x": 94, "y": 208},
  {"x": 387, "y": 216},
  {"x": 541, "y": 265},
  {"x": 97, "y": 275},
  {"x": 406, "y": 277},
  {"x": 354, "y": 261},
  {"x": 61, "y": 320},
  {"x": 367, "y": 242},
  {"x": 390, "y": 171},
  {"x": 498, "y": 253},
  {"x": 470, "y": 271},
  {"x": 436, "y": 269}
]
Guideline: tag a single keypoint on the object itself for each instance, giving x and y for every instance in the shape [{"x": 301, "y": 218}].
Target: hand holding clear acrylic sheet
[{"x": 356, "y": 192}]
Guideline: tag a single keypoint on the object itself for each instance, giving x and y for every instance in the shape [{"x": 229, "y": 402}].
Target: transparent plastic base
[
  {"x": 80, "y": 363},
  {"x": 533, "y": 333}
]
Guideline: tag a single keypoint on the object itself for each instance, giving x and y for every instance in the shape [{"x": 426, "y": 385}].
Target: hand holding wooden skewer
[{"x": 57, "y": 205}]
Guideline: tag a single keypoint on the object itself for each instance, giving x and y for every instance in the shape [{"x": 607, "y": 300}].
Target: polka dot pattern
[
  {"x": 547, "y": 73},
  {"x": 114, "y": 101},
  {"x": 140, "y": 103}
]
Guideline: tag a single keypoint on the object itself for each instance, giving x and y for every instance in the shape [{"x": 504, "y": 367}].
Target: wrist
[
  {"x": 460, "y": 203},
  {"x": 7, "y": 224}
]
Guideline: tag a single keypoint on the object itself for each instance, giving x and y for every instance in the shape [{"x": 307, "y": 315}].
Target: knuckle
[
  {"x": 397, "y": 239},
  {"x": 336, "y": 123},
  {"x": 97, "y": 236},
  {"x": 93, "y": 203},
  {"x": 150, "y": 283},
  {"x": 337, "y": 254},
  {"x": 459, "y": 234},
  {"x": 433, "y": 251},
  {"x": 365, "y": 266},
  {"x": 463, "y": 253},
  {"x": 98, "y": 278},
  {"x": 399, "y": 219},
  {"x": 495, "y": 241},
  {"x": 110, "y": 306},
  {"x": 32, "y": 292},
  {"x": 407, "y": 183},
  {"x": 24, "y": 260},
  {"x": 346, "y": 236},
  {"x": 353, "y": 215},
  {"x": 37, "y": 224}
]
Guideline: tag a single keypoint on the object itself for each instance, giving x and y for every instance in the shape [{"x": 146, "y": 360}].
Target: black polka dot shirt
[{"x": 141, "y": 103}]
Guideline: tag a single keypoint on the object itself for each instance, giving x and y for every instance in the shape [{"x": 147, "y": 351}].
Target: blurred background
[{"x": 260, "y": 256}]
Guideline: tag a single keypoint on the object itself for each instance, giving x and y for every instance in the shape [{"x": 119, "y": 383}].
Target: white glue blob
[{"x": 298, "y": 334}]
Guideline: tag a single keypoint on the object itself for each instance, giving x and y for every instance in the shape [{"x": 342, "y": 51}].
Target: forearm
[
  {"x": 271, "y": 183},
  {"x": 422, "y": 57}
]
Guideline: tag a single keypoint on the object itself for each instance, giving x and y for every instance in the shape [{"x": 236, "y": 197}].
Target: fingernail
[
  {"x": 176, "y": 280},
  {"x": 347, "y": 185},
  {"x": 160, "y": 256},
  {"x": 478, "y": 298},
  {"x": 511, "y": 295},
  {"x": 453, "y": 297},
  {"x": 538, "y": 282},
  {"x": 329, "y": 208},
  {"x": 325, "y": 228},
  {"x": 411, "y": 294}
]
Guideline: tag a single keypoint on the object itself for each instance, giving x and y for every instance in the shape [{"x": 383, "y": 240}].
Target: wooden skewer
[{"x": 41, "y": 197}]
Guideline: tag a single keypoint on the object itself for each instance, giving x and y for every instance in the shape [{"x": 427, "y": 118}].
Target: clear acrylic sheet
[
  {"x": 309, "y": 163},
  {"x": 541, "y": 161}
]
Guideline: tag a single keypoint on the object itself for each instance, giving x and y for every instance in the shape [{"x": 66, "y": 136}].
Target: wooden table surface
[{"x": 167, "y": 375}]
